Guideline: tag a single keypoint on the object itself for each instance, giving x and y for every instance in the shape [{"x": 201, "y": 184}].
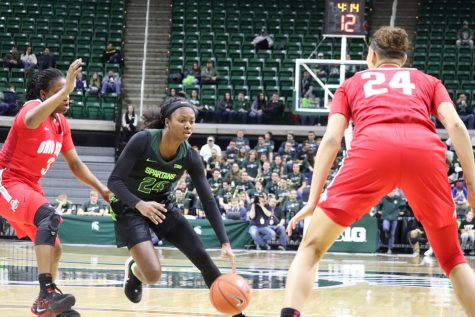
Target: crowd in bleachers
[{"x": 38, "y": 35}]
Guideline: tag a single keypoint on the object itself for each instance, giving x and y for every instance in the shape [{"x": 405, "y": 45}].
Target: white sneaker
[{"x": 429, "y": 252}]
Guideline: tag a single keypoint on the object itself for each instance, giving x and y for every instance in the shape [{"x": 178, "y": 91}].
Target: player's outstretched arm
[
  {"x": 463, "y": 146},
  {"x": 82, "y": 172},
  {"x": 37, "y": 115}
]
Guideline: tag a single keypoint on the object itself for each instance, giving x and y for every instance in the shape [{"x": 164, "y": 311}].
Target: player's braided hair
[
  {"x": 155, "y": 118},
  {"x": 390, "y": 42},
  {"x": 42, "y": 80}
]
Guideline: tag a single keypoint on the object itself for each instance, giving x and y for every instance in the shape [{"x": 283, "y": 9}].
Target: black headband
[{"x": 175, "y": 105}]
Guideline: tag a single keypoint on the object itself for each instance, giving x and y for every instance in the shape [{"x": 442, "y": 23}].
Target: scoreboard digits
[{"x": 344, "y": 18}]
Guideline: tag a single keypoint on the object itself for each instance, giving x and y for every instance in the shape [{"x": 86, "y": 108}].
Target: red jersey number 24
[{"x": 399, "y": 80}]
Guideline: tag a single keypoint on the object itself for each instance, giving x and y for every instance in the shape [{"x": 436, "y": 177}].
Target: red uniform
[
  {"x": 395, "y": 144},
  {"x": 25, "y": 157}
]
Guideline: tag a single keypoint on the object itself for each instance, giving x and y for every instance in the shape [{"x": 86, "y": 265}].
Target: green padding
[
  {"x": 361, "y": 237},
  {"x": 87, "y": 230},
  {"x": 237, "y": 233},
  {"x": 100, "y": 230}
]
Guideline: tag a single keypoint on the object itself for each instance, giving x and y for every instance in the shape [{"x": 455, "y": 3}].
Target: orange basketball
[{"x": 230, "y": 294}]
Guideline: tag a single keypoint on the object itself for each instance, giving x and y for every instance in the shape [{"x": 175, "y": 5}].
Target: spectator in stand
[
  {"x": 28, "y": 58},
  {"x": 311, "y": 140},
  {"x": 241, "y": 140},
  {"x": 298, "y": 181},
  {"x": 182, "y": 202},
  {"x": 205, "y": 150},
  {"x": 262, "y": 148},
  {"x": 291, "y": 140},
  {"x": 215, "y": 182},
  {"x": 256, "y": 115},
  {"x": 8, "y": 101},
  {"x": 265, "y": 173},
  {"x": 350, "y": 70},
  {"x": 273, "y": 185},
  {"x": 268, "y": 140},
  {"x": 111, "y": 55},
  {"x": 242, "y": 155},
  {"x": 263, "y": 41},
  {"x": 389, "y": 208},
  {"x": 460, "y": 194},
  {"x": 291, "y": 205},
  {"x": 244, "y": 200},
  {"x": 260, "y": 217},
  {"x": 225, "y": 109},
  {"x": 172, "y": 93},
  {"x": 209, "y": 75},
  {"x": 201, "y": 111},
  {"x": 251, "y": 164},
  {"x": 129, "y": 123},
  {"x": 246, "y": 182},
  {"x": 288, "y": 154},
  {"x": 92, "y": 207},
  {"x": 274, "y": 109},
  {"x": 111, "y": 83},
  {"x": 95, "y": 84},
  {"x": 465, "y": 111},
  {"x": 256, "y": 190},
  {"x": 62, "y": 205},
  {"x": 465, "y": 36},
  {"x": 306, "y": 85},
  {"x": 263, "y": 159},
  {"x": 322, "y": 70},
  {"x": 225, "y": 194},
  {"x": 231, "y": 150},
  {"x": 467, "y": 233},
  {"x": 81, "y": 84},
  {"x": 283, "y": 191},
  {"x": 192, "y": 76},
  {"x": 235, "y": 211},
  {"x": 241, "y": 106},
  {"x": 277, "y": 222},
  {"x": 213, "y": 162},
  {"x": 46, "y": 60},
  {"x": 234, "y": 175},
  {"x": 12, "y": 59},
  {"x": 278, "y": 165}
]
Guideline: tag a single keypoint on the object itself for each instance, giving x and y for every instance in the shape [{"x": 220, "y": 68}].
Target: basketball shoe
[
  {"x": 54, "y": 303},
  {"x": 132, "y": 285}
]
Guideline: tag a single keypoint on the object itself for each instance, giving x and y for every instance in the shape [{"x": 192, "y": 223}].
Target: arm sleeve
[
  {"x": 196, "y": 170},
  {"x": 134, "y": 149}
]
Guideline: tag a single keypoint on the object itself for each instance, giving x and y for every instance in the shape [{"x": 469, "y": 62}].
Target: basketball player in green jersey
[{"x": 152, "y": 161}]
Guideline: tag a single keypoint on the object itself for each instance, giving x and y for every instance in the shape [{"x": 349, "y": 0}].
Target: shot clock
[{"x": 344, "y": 18}]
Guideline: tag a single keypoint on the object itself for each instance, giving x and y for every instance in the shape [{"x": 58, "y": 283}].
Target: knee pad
[{"x": 47, "y": 221}]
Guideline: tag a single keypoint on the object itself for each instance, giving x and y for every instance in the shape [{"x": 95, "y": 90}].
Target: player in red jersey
[
  {"x": 39, "y": 133},
  {"x": 394, "y": 145}
]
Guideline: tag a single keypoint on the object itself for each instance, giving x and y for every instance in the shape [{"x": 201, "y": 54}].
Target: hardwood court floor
[{"x": 348, "y": 285}]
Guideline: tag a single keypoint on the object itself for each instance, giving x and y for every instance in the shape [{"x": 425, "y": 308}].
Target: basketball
[{"x": 230, "y": 294}]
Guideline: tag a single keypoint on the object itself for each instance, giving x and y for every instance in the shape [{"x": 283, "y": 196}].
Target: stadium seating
[
  {"x": 71, "y": 29},
  {"x": 435, "y": 50},
  {"x": 224, "y": 30}
]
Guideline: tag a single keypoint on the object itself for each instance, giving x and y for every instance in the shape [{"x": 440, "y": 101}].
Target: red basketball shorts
[
  {"x": 384, "y": 157},
  {"x": 19, "y": 202}
]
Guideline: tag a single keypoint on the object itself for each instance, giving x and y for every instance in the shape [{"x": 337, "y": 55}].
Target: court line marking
[{"x": 117, "y": 310}]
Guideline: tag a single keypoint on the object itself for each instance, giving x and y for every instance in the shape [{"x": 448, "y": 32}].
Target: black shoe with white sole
[{"x": 132, "y": 285}]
